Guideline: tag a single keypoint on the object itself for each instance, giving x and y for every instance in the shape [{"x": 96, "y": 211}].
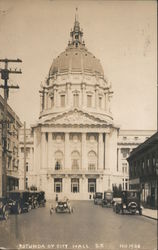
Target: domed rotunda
[{"x": 75, "y": 140}]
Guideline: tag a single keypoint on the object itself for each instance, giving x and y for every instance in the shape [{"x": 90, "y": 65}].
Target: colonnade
[{"x": 46, "y": 151}]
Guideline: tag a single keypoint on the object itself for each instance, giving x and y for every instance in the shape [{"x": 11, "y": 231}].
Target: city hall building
[{"x": 75, "y": 147}]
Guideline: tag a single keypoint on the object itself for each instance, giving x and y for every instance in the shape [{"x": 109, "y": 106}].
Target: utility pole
[
  {"x": 5, "y": 76},
  {"x": 24, "y": 155}
]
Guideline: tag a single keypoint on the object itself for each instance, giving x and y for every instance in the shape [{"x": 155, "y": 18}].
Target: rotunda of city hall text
[{"x": 75, "y": 139}]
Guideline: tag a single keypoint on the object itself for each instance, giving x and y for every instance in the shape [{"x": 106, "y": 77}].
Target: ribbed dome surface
[{"x": 76, "y": 60}]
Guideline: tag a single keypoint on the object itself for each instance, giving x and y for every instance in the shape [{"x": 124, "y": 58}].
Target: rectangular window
[
  {"x": 52, "y": 101},
  {"x": 89, "y": 101},
  {"x": 62, "y": 99},
  {"x": 57, "y": 185},
  {"x": 75, "y": 185},
  {"x": 91, "y": 185},
  {"x": 76, "y": 100},
  {"x": 124, "y": 168},
  {"x": 91, "y": 166},
  {"x": 75, "y": 164}
]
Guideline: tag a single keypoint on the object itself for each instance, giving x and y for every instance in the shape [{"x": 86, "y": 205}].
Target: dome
[{"x": 76, "y": 59}]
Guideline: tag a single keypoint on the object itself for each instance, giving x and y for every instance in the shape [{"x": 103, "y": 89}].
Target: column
[
  {"x": 49, "y": 149},
  {"x": 55, "y": 96},
  {"x": 106, "y": 102},
  {"x": 96, "y": 97},
  {"x": 67, "y": 152},
  {"x": 107, "y": 167},
  {"x": 119, "y": 160},
  {"x": 45, "y": 100},
  {"x": 66, "y": 185},
  {"x": 83, "y": 94},
  {"x": 84, "y": 152},
  {"x": 43, "y": 151},
  {"x": 100, "y": 151},
  {"x": 41, "y": 103},
  {"x": 68, "y": 86},
  {"x": 49, "y": 102}
]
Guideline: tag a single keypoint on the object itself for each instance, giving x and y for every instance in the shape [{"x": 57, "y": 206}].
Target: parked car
[
  {"x": 98, "y": 196},
  {"x": 108, "y": 199},
  {"x": 33, "y": 199},
  {"x": 4, "y": 208},
  {"x": 18, "y": 201},
  {"x": 63, "y": 206},
  {"x": 129, "y": 202},
  {"x": 116, "y": 200},
  {"x": 41, "y": 198}
]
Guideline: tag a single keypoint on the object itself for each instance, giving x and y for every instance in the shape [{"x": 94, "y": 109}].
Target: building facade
[
  {"x": 75, "y": 148},
  {"x": 29, "y": 159},
  {"x": 143, "y": 165},
  {"x": 75, "y": 136},
  {"x": 12, "y": 166},
  {"x": 127, "y": 141}
]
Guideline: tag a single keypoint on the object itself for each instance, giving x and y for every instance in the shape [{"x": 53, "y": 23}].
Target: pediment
[{"x": 75, "y": 117}]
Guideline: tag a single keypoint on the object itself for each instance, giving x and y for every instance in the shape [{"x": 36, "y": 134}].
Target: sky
[{"x": 122, "y": 34}]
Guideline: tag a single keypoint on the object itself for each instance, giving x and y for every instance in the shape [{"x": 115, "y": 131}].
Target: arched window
[
  {"x": 92, "y": 160},
  {"x": 58, "y": 160},
  {"x": 75, "y": 158}
]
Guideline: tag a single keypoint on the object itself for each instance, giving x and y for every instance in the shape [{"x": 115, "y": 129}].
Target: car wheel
[{"x": 19, "y": 209}]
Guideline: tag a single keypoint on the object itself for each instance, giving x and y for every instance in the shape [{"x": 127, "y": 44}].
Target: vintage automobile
[
  {"x": 129, "y": 202},
  {"x": 108, "y": 199},
  {"x": 98, "y": 196},
  {"x": 41, "y": 199},
  {"x": 63, "y": 206},
  {"x": 33, "y": 199},
  {"x": 4, "y": 208},
  {"x": 18, "y": 201}
]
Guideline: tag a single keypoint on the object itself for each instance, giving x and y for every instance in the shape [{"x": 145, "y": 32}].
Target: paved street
[{"x": 89, "y": 226}]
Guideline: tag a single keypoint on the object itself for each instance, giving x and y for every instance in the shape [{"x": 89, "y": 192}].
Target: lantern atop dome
[{"x": 76, "y": 34}]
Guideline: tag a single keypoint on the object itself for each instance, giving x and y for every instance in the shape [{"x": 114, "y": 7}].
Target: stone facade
[
  {"x": 12, "y": 167},
  {"x": 75, "y": 141},
  {"x": 143, "y": 162}
]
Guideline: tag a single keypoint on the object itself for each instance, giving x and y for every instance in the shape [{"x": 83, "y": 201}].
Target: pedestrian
[
  {"x": 51, "y": 209},
  {"x": 56, "y": 198}
]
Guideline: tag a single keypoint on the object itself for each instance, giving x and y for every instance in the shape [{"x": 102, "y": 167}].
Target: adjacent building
[
  {"x": 12, "y": 166},
  {"x": 143, "y": 165}
]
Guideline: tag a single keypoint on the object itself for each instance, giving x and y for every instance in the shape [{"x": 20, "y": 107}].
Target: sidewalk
[{"x": 150, "y": 213}]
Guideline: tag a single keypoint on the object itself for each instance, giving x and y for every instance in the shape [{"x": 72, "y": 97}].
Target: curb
[{"x": 149, "y": 217}]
